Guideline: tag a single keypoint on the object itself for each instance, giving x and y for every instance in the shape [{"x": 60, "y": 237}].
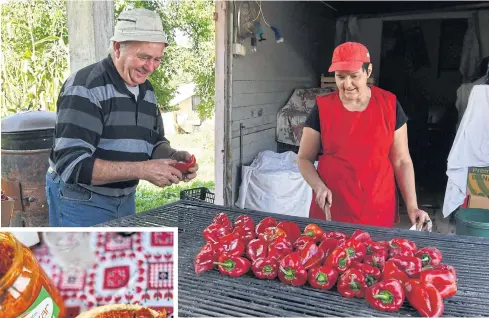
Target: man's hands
[
  {"x": 160, "y": 172},
  {"x": 185, "y": 156},
  {"x": 324, "y": 199},
  {"x": 420, "y": 218}
]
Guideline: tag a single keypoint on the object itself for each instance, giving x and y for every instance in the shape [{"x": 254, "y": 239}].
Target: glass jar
[{"x": 25, "y": 289}]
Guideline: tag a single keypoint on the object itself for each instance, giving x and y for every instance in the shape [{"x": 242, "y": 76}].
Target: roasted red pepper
[
  {"x": 314, "y": 231},
  {"x": 184, "y": 166},
  {"x": 291, "y": 270},
  {"x": 378, "y": 248},
  {"x": 410, "y": 265},
  {"x": 375, "y": 260},
  {"x": 231, "y": 244},
  {"x": 356, "y": 250},
  {"x": 323, "y": 277},
  {"x": 233, "y": 266},
  {"x": 214, "y": 232},
  {"x": 429, "y": 256},
  {"x": 246, "y": 222},
  {"x": 391, "y": 271},
  {"x": 311, "y": 255},
  {"x": 361, "y": 236},
  {"x": 336, "y": 235},
  {"x": 447, "y": 267},
  {"x": 302, "y": 241},
  {"x": 245, "y": 236},
  {"x": 400, "y": 251},
  {"x": 424, "y": 297},
  {"x": 256, "y": 249},
  {"x": 279, "y": 248},
  {"x": 204, "y": 260},
  {"x": 386, "y": 295},
  {"x": 396, "y": 242},
  {"x": 265, "y": 223},
  {"x": 265, "y": 268},
  {"x": 352, "y": 283},
  {"x": 271, "y": 233},
  {"x": 291, "y": 228},
  {"x": 372, "y": 274},
  {"x": 443, "y": 280},
  {"x": 338, "y": 259},
  {"x": 224, "y": 220},
  {"x": 328, "y": 245}
]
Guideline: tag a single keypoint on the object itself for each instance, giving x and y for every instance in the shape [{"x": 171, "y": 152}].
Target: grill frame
[{"x": 214, "y": 294}]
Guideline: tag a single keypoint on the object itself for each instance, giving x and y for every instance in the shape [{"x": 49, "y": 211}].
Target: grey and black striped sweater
[{"x": 98, "y": 117}]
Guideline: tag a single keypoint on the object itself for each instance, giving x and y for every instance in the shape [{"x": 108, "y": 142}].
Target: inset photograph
[{"x": 87, "y": 274}]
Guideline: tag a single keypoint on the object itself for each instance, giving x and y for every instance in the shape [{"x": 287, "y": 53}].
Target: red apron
[{"x": 355, "y": 163}]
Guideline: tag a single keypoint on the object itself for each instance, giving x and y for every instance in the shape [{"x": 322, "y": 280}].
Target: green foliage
[
  {"x": 149, "y": 197},
  {"x": 35, "y": 52}
]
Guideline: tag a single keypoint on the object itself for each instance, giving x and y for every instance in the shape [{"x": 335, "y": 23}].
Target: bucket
[{"x": 472, "y": 222}]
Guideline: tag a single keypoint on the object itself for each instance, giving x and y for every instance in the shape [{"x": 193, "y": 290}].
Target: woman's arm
[{"x": 404, "y": 172}]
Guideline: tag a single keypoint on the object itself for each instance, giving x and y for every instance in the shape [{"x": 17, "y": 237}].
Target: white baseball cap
[{"x": 139, "y": 25}]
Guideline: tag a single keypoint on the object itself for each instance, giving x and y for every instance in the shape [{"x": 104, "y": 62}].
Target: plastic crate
[{"x": 197, "y": 194}]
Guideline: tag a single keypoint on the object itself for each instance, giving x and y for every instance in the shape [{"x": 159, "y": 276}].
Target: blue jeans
[{"x": 71, "y": 205}]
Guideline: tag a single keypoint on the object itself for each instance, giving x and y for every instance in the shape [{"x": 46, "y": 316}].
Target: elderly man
[{"x": 109, "y": 131}]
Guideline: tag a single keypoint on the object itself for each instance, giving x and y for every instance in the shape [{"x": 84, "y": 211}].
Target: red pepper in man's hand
[
  {"x": 302, "y": 241},
  {"x": 204, "y": 260},
  {"x": 375, "y": 260},
  {"x": 214, "y": 232},
  {"x": 429, "y": 256},
  {"x": 291, "y": 228},
  {"x": 356, "y": 250},
  {"x": 291, "y": 271},
  {"x": 314, "y": 231},
  {"x": 338, "y": 259},
  {"x": 279, "y": 248},
  {"x": 361, "y": 236},
  {"x": 424, "y": 297},
  {"x": 336, "y": 235},
  {"x": 311, "y": 255},
  {"x": 385, "y": 296},
  {"x": 231, "y": 244},
  {"x": 271, "y": 233},
  {"x": 328, "y": 245},
  {"x": 352, "y": 283},
  {"x": 396, "y": 242},
  {"x": 233, "y": 266},
  {"x": 443, "y": 280},
  {"x": 410, "y": 265},
  {"x": 256, "y": 249},
  {"x": 265, "y": 223},
  {"x": 265, "y": 268},
  {"x": 372, "y": 274},
  {"x": 391, "y": 271},
  {"x": 184, "y": 166},
  {"x": 224, "y": 220},
  {"x": 400, "y": 251},
  {"x": 323, "y": 277},
  {"x": 246, "y": 222}
]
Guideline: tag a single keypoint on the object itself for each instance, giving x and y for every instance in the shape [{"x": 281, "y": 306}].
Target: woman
[{"x": 363, "y": 133}]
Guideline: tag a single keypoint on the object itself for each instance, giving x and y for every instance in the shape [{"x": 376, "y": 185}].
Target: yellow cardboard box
[{"x": 478, "y": 188}]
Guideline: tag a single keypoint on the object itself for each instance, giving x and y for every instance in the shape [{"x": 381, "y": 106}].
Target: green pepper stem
[
  {"x": 228, "y": 264},
  {"x": 385, "y": 297},
  {"x": 267, "y": 269},
  {"x": 321, "y": 278},
  {"x": 426, "y": 259}
]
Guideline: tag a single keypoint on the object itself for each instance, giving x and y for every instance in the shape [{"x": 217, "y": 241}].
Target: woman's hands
[{"x": 324, "y": 199}]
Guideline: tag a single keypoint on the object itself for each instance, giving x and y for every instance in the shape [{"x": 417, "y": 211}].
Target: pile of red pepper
[{"x": 385, "y": 273}]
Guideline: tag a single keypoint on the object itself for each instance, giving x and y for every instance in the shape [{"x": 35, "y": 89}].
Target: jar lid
[{"x": 29, "y": 121}]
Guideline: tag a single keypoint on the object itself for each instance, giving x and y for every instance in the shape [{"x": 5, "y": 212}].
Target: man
[{"x": 109, "y": 127}]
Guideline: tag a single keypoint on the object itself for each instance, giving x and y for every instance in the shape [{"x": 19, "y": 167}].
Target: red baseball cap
[{"x": 349, "y": 56}]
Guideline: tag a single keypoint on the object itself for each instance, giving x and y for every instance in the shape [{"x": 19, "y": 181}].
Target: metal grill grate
[{"x": 213, "y": 294}]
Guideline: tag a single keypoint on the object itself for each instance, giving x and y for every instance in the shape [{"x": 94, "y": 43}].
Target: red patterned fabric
[{"x": 137, "y": 269}]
